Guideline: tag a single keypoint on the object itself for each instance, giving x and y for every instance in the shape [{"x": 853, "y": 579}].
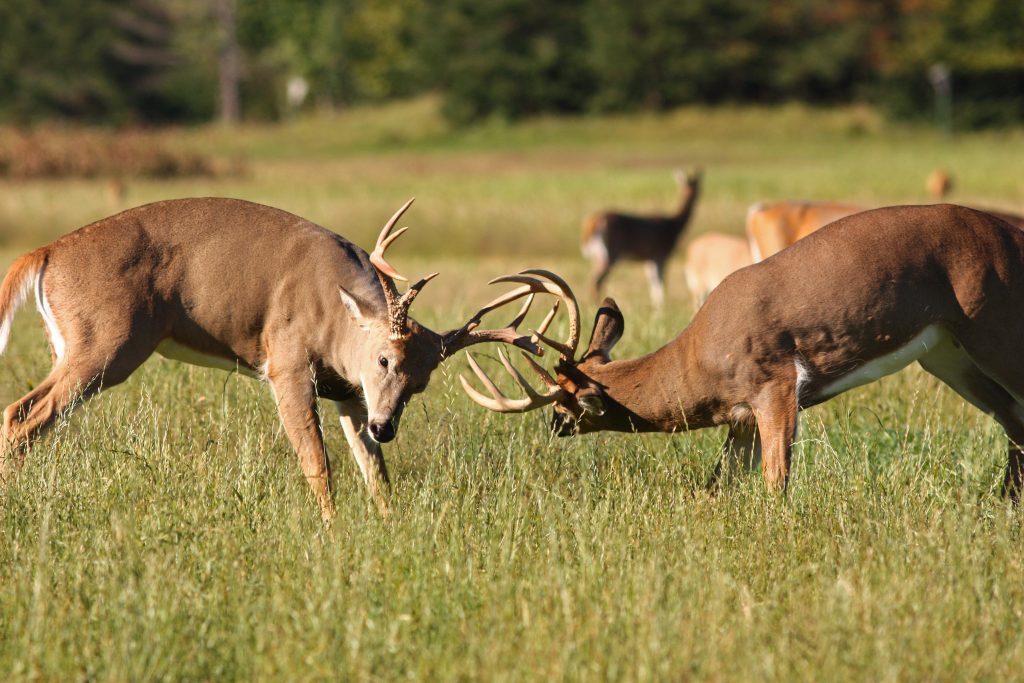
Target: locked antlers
[
  {"x": 531, "y": 283},
  {"x": 497, "y": 401}
]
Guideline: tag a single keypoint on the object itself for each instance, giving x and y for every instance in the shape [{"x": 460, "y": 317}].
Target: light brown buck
[
  {"x": 710, "y": 258},
  {"x": 610, "y": 237},
  {"x": 235, "y": 285},
  {"x": 942, "y": 285}
]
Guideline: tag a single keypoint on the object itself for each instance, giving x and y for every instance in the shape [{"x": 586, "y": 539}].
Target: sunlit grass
[{"x": 166, "y": 532}]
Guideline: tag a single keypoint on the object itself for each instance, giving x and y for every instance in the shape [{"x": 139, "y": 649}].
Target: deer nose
[{"x": 382, "y": 432}]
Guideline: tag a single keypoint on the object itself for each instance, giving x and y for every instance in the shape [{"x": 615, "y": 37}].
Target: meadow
[{"x": 166, "y": 533}]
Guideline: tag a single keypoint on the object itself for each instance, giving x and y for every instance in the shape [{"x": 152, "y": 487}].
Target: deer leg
[
  {"x": 367, "y": 452},
  {"x": 78, "y": 377},
  {"x": 777, "y": 418},
  {"x": 656, "y": 280},
  {"x": 741, "y": 451},
  {"x": 295, "y": 394},
  {"x": 951, "y": 364}
]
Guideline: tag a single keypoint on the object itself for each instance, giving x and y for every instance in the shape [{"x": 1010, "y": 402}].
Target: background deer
[
  {"x": 611, "y": 237},
  {"x": 939, "y": 184},
  {"x": 773, "y": 227},
  {"x": 866, "y": 296},
  {"x": 235, "y": 285},
  {"x": 710, "y": 258}
]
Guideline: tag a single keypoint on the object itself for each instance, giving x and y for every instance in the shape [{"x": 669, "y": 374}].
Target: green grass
[{"x": 166, "y": 532}]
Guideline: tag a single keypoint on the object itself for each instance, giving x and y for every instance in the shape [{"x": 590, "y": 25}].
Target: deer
[
  {"x": 710, "y": 258},
  {"x": 235, "y": 285},
  {"x": 610, "y": 237},
  {"x": 774, "y": 226},
  {"x": 939, "y": 184},
  {"x": 942, "y": 285}
]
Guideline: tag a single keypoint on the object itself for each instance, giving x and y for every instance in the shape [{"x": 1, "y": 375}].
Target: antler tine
[
  {"x": 561, "y": 289},
  {"x": 384, "y": 240},
  {"x": 467, "y": 335},
  {"x": 500, "y": 403},
  {"x": 548, "y": 380},
  {"x": 410, "y": 294}
]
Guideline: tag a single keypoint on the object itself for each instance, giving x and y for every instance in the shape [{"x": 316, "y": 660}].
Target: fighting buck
[
  {"x": 611, "y": 237},
  {"x": 860, "y": 299},
  {"x": 710, "y": 258},
  {"x": 773, "y": 227},
  {"x": 230, "y": 284}
]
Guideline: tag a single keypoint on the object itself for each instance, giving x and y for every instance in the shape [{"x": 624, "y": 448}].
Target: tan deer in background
[
  {"x": 773, "y": 227},
  {"x": 610, "y": 237},
  {"x": 230, "y": 284},
  {"x": 941, "y": 285},
  {"x": 710, "y": 258}
]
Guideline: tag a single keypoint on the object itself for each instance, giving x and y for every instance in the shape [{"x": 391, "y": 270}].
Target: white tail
[{"x": 22, "y": 278}]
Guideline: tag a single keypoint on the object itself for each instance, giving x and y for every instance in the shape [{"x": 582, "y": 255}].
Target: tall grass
[{"x": 166, "y": 532}]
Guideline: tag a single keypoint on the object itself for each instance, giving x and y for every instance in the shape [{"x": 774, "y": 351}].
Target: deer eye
[{"x": 383, "y": 362}]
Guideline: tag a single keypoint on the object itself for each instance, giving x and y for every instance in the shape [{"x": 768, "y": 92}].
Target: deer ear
[
  {"x": 357, "y": 310},
  {"x": 608, "y": 327}
]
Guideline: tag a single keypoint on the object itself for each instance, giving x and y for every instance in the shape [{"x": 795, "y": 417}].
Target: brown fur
[
  {"x": 248, "y": 286},
  {"x": 850, "y": 294}
]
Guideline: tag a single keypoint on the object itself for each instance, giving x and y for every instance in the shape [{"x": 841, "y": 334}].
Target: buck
[
  {"x": 710, "y": 258},
  {"x": 611, "y": 237},
  {"x": 234, "y": 285},
  {"x": 941, "y": 285}
]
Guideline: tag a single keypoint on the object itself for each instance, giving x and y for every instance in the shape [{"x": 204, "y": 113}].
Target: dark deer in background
[{"x": 610, "y": 237}]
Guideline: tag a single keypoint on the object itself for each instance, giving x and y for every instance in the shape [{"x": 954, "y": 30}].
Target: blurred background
[{"x": 511, "y": 120}]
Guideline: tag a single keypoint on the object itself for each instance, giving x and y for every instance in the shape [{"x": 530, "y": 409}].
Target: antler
[
  {"x": 467, "y": 335},
  {"x": 500, "y": 403},
  {"x": 398, "y": 305},
  {"x": 561, "y": 289}
]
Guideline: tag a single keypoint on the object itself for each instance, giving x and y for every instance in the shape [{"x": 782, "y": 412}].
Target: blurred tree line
[{"x": 151, "y": 61}]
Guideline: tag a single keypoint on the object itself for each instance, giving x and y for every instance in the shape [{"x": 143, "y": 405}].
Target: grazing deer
[
  {"x": 230, "y": 284},
  {"x": 710, "y": 258},
  {"x": 611, "y": 237},
  {"x": 773, "y": 227},
  {"x": 941, "y": 285}
]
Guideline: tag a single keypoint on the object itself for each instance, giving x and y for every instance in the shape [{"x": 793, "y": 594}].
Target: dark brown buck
[
  {"x": 235, "y": 285},
  {"x": 611, "y": 237},
  {"x": 862, "y": 298}
]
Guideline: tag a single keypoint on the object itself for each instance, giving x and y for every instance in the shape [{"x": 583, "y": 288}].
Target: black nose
[{"x": 382, "y": 432}]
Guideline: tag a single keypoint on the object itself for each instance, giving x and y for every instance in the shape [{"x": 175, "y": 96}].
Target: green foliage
[
  {"x": 510, "y": 58},
  {"x": 145, "y": 60}
]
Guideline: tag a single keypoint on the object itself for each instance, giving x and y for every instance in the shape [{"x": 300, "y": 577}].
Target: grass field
[{"x": 166, "y": 532}]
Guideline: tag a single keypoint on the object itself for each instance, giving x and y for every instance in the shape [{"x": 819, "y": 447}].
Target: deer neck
[
  {"x": 664, "y": 391},
  {"x": 686, "y": 208}
]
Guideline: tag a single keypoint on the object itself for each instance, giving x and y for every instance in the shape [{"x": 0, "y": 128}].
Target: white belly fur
[
  {"x": 169, "y": 348},
  {"x": 926, "y": 340}
]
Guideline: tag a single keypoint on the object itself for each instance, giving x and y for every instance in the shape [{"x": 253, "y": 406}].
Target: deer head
[{"x": 397, "y": 355}]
